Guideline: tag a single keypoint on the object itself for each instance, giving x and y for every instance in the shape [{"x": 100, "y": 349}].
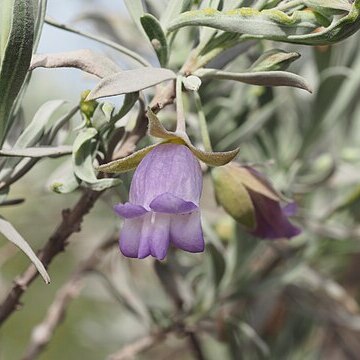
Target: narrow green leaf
[
  {"x": 12, "y": 235},
  {"x": 329, "y": 7},
  {"x": 83, "y": 150},
  {"x": 173, "y": 9},
  {"x": 156, "y": 36},
  {"x": 272, "y": 24},
  {"x": 102, "y": 115},
  {"x": 129, "y": 101},
  {"x": 6, "y": 13},
  {"x": 38, "y": 152},
  {"x": 16, "y": 60},
  {"x": 85, "y": 60},
  {"x": 274, "y": 60},
  {"x": 302, "y": 27},
  {"x": 136, "y": 10},
  {"x": 35, "y": 130},
  {"x": 32, "y": 133},
  {"x": 63, "y": 179},
  {"x": 40, "y": 19},
  {"x": 130, "y": 81},
  {"x": 262, "y": 78}
]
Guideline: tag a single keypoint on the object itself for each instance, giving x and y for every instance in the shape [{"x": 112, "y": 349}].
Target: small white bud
[{"x": 192, "y": 83}]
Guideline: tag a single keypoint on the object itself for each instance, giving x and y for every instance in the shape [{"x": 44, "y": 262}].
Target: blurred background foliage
[{"x": 244, "y": 298}]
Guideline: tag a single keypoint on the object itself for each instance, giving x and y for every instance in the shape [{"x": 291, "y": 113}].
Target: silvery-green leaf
[
  {"x": 65, "y": 185},
  {"x": 85, "y": 60},
  {"x": 156, "y": 35},
  {"x": 11, "y": 202},
  {"x": 41, "y": 12},
  {"x": 38, "y": 152},
  {"x": 173, "y": 9},
  {"x": 12, "y": 235},
  {"x": 272, "y": 24},
  {"x": 136, "y": 10},
  {"x": 329, "y": 7},
  {"x": 130, "y": 81},
  {"x": 273, "y": 60},
  {"x": 102, "y": 115},
  {"x": 263, "y": 78},
  {"x": 52, "y": 128},
  {"x": 256, "y": 120},
  {"x": 83, "y": 152},
  {"x": 15, "y": 60},
  {"x": 206, "y": 33},
  {"x": 6, "y": 13},
  {"x": 129, "y": 101},
  {"x": 302, "y": 27},
  {"x": 63, "y": 179},
  {"x": 32, "y": 133}
]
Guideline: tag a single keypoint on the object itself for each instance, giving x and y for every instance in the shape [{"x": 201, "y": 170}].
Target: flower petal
[
  {"x": 160, "y": 236},
  {"x": 186, "y": 232},
  {"x": 130, "y": 235},
  {"x": 271, "y": 221},
  {"x": 170, "y": 204},
  {"x": 169, "y": 168},
  {"x": 129, "y": 211}
]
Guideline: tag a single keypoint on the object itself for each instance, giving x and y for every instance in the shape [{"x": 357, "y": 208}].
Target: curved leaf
[
  {"x": 156, "y": 36},
  {"x": 85, "y": 60},
  {"x": 38, "y": 152},
  {"x": 262, "y": 78},
  {"x": 15, "y": 60},
  {"x": 302, "y": 27},
  {"x": 12, "y": 235},
  {"x": 130, "y": 81},
  {"x": 83, "y": 162}
]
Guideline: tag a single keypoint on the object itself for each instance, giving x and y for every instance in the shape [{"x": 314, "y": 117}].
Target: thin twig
[
  {"x": 180, "y": 115},
  {"x": 71, "y": 222},
  {"x": 195, "y": 346},
  {"x": 130, "y": 351},
  {"x": 101, "y": 40},
  {"x": 43, "y": 333}
]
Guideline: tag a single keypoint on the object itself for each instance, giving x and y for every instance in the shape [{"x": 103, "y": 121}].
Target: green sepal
[
  {"x": 210, "y": 158},
  {"x": 126, "y": 164}
]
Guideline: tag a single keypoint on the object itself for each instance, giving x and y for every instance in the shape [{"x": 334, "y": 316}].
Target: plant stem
[
  {"x": 112, "y": 44},
  {"x": 181, "y": 122},
  {"x": 202, "y": 123}
]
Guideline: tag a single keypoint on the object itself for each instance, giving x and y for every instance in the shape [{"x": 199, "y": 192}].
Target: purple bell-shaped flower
[{"x": 163, "y": 205}]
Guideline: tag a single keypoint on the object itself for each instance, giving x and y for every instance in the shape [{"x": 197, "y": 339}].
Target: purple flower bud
[
  {"x": 163, "y": 204},
  {"x": 251, "y": 200},
  {"x": 271, "y": 220}
]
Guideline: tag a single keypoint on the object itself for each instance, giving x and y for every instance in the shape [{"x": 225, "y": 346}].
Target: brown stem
[
  {"x": 71, "y": 222},
  {"x": 43, "y": 333},
  {"x": 130, "y": 351},
  {"x": 196, "y": 346}
]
